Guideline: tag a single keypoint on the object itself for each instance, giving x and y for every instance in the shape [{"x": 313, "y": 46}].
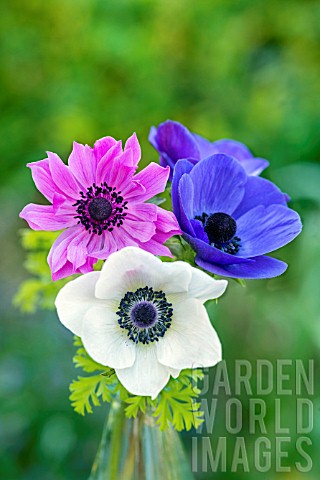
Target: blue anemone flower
[
  {"x": 174, "y": 142},
  {"x": 232, "y": 219}
]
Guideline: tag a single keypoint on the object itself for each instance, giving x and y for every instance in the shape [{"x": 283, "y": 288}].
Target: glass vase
[{"x": 136, "y": 449}]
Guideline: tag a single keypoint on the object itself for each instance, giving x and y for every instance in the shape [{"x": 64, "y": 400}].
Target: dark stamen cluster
[
  {"x": 231, "y": 247},
  {"x": 221, "y": 229},
  {"x": 101, "y": 208},
  {"x": 146, "y": 314}
]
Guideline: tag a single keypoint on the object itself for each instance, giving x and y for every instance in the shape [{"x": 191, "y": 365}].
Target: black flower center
[
  {"x": 220, "y": 227},
  {"x": 100, "y": 209},
  {"x": 145, "y": 314}
]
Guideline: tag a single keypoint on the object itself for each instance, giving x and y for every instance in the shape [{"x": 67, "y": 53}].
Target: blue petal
[
  {"x": 259, "y": 191},
  {"x": 185, "y": 190},
  {"x": 219, "y": 183},
  {"x": 255, "y": 166},
  {"x": 182, "y": 167},
  {"x": 152, "y": 137},
  {"x": 226, "y": 146},
  {"x": 164, "y": 159},
  {"x": 206, "y": 148},
  {"x": 252, "y": 166},
  {"x": 265, "y": 229},
  {"x": 174, "y": 140},
  {"x": 167, "y": 161},
  {"x": 199, "y": 231},
  {"x": 212, "y": 254},
  {"x": 260, "y": 267},
  {"x": 233, "y": 148}
]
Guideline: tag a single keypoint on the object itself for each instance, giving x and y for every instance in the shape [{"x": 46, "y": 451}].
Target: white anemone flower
[{"x": 143, "y": 317}]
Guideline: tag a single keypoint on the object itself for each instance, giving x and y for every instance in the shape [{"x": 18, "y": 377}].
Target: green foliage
[
  {"x": 82, "y": 359},
  {"x": 180, "y": 249},
  {"x": 240, "y": 281},
  {"x": 157, "y": 200},
  {"x": 136, "y": 404},
  {"x": 87, "y": 390},
  {"x": 175, "y": 405},
  {"x": 37, "y": 240},
  {"x": 40, "y": 291}
]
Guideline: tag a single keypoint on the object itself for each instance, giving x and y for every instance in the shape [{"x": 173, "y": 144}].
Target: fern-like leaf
[
  {"x": 85, "y": 392},
  {"x": 176, "y": 404}
]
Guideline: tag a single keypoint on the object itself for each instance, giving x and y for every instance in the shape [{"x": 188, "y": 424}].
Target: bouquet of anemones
[{"x": 131, "y": 279}]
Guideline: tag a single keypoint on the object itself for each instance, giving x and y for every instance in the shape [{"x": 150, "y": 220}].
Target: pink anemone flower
[{"x": 100, "y": 203}]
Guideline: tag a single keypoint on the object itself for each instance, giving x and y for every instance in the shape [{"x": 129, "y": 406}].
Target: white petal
[
  {"x": 175, "y": 277},
  {"x": 191, "y": 341},
  {"x": 126, "y": 270},
  {"x": 147, "y": 376},
  {"x": 74, "y": 299},
  {"x": 203, "y": 287},
  {"x": 105, "y": 341}
]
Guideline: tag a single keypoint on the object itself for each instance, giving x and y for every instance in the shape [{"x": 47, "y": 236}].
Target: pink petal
[
  {"x": 122, "y": 172},
  {"x": 67, "y": 269},
  {"x": 134, "y": 188},
  {"x": 156, "y": 248},
  {"x": 133, "y": 144},
  {"x": 57, "y": 257},
  {"x": 122, "y": 238},
  {"x": 77, "y": 252},
  {"x": 154, "y": 179},
  {"x": 167, "y": 226},
  {"x": 95, "y": 244},
  {"x": 162, "y": 236},
  {"x": 105, "y": 166},
  {"x": 146, "y": 212},
  {"x": 62, "y": 206},
  {"x": 101, "y": 246},
  {"x": 126, "y": 158},
  {"x": 63, "y": 177},
  {"x": 43, "y": 179},
  {"x": 88, "y": 266},
  {"x": 58, "y": 260},
  {"x": 167, "y": 222},
  {"x": 111, "y": 241},
  {"x": 83, "y": 164},
  {"x": 102, "y": 146},
  {"x": 139, "y": 230},
  {"x": 43, "y": 217}
]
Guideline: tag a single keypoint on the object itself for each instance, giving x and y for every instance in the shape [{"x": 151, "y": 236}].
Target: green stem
[
  {"x": 110, "y": 463},
  {"x": 134, "y": 461},
  {"x": 115, "y": 445}
]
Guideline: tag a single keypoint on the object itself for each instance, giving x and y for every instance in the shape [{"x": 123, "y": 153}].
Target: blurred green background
[{"x": 80, "y": 70}]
